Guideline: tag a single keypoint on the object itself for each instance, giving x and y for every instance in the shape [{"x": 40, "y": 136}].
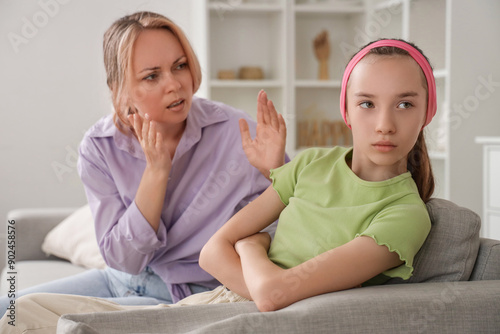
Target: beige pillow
[{"x": 74, "y": 239}]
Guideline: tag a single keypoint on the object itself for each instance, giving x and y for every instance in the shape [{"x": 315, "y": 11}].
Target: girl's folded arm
[
  {"x": 219, "y": 258},
  {"x": 344, "y": 267}
]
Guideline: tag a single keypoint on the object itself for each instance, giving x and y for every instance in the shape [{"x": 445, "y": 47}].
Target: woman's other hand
[{"x": 267, "y": 150}]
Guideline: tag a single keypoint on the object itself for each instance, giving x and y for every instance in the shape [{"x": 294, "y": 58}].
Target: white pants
[{"x": 38, "y": 313}]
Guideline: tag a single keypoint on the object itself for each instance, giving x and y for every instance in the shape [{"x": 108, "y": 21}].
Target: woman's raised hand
[
  {"x": 157, "y": 154},
  {"x": 267, "y": 150}
]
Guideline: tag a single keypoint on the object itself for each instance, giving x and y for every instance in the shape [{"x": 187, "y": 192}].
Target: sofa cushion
[
  {"x": 74, "y": 240},
  {"x": 487, "y": 266},
  {"x": 451, "y": 248}
]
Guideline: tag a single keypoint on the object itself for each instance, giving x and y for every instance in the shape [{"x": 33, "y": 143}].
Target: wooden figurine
[{"x": 322, "y": 52}]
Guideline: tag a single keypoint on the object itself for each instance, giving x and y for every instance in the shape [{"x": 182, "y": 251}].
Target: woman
[{"x": 165, "y": 171}]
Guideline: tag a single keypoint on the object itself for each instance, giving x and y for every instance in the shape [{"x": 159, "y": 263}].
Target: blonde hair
[{"x": 118, "y": 46}]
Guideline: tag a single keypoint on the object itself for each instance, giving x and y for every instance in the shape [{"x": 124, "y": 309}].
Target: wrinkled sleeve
[
  {"x": 126, "y": 240},
  {"x": 403, "y": 228}
]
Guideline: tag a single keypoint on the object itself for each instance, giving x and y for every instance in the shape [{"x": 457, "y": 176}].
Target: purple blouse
[{"x": 210, "y": 180}]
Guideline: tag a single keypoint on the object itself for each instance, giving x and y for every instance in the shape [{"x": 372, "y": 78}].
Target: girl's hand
[
  {"x": 260, "y": 240},
  {"x": 267, "y": 150},
  {"x": 156, "y": 152}
]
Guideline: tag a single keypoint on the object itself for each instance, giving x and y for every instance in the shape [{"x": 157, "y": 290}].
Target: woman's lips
[{"x": 177, "y": 105}]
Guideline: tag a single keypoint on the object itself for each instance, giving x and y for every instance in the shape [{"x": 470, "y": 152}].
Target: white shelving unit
[
  {"x": 490, "y": 227},
  {"x": 246, "y": 33},
  {"x": 277, "y": 35}
]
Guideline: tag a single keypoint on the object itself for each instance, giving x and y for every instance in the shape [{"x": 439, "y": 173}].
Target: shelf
[
  {"x": 245, "y": 83},
  {"x": 328, "y": 9},
  {"x": 221, "y": 8},
  {"x": 487, "y": 140},
  {"x": 387, "y": 4},
  {"x": 249, "y": 39},
  {"x": 318, "y": 83}
]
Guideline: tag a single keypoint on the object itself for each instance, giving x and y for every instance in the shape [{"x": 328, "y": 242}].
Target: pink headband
[{"x": 414, "y": 53}]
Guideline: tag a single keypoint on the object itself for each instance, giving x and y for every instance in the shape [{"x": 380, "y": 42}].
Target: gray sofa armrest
[
  {"x": 32, "y": 225},
  {"x": 441, "y": 307},
  {"x": 487, "y": 266}
]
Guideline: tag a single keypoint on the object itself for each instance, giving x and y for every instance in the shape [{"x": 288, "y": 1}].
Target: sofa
[{"x": 455, "y": 289}]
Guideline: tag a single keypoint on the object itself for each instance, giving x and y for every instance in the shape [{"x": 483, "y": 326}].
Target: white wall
[
  {"x": 475, "y": 106},
  {"x": 53, "y": 88}
]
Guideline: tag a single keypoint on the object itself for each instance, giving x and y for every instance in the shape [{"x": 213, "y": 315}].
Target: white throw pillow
[{"x": 74, "y": 239}]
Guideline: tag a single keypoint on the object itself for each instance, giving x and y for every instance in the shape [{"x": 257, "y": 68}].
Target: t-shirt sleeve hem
[
  {"x": 404, "y": 271},
  {"x": 273, "y": 182}
]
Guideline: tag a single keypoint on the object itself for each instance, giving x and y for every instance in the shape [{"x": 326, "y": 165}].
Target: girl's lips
[{"x": 384, "y": 146}]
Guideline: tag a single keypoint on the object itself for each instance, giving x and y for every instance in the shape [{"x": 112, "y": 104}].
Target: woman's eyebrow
[
  {"x": 155, "y": 68},
  {"x": 179, "y": 59}
]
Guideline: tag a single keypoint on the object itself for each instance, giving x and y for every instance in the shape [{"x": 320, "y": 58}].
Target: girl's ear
[{"x": 347, "y": 119}]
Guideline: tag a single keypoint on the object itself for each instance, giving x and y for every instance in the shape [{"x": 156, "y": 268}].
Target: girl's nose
[{"x": 385, "y": 122}]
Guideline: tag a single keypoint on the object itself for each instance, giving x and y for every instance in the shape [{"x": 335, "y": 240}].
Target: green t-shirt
[{"x": 327, "y": 205}]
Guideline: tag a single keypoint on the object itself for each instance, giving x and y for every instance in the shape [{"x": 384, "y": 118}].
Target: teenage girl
[{"x": 347, "y": 216}]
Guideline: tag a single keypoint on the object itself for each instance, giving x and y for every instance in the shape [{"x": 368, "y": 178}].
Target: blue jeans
[{"x": 147, "y": 288}]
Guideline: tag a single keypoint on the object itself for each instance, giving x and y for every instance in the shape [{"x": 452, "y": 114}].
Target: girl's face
[
  {"x": 386, "y": 109},
  {"x": 161, "y": 84}
]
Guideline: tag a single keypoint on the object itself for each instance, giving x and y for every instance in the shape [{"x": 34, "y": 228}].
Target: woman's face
[
  {"x": 386, "y": 108},
  {"x": 160, "y": 82}
]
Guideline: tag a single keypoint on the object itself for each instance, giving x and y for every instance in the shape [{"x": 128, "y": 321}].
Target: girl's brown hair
[
  {"x": 419, "y": 162},
  {"x": 118, "y": 46}
]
